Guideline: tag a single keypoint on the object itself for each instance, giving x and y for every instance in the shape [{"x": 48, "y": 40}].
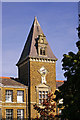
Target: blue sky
[{"x": 58, "y": 21}]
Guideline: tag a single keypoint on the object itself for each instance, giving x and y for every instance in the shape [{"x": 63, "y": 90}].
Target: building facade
[
  {"x": 36, "y": 77},
  {"x": 13, "y": 99},
  {"x": 37, "y": 67}
]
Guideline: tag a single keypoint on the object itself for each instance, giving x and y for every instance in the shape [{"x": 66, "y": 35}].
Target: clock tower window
[{"x": 42, "y": 95}]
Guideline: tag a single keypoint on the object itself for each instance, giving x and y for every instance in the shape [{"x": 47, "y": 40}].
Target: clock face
[{"x": 43, "y": 71}]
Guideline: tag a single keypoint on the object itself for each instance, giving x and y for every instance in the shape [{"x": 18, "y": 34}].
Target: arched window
[{"x": 42, "y": 51}]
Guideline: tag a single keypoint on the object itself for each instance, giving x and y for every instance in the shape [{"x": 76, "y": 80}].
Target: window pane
[
  {"x": 46, "y": 92},
  {"x": 42, "y": 100},
  {"x": 43, "y": 52},
  {"x": 9, "y": 114},
  {"x": 39, "y": 101},
  {"x": 9, "y": 94},
  {"x": 43, "y": 92},
  {"x": 40, "y": 51},
  {"x": 42, "y": 95},
  {"x": 46, "y": 96},
  {"x": 20, "y": 114},
  {"x": 20, "y": 96},
  {"x": 39, "y": 92},
  {"x": 39, "y": 96}
]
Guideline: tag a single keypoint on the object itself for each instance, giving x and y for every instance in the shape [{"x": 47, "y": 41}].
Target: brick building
[
  {"x": 37, "y": 67},
  {"x": 36, "y": 77},
  {"x": 13, "y": 99}
]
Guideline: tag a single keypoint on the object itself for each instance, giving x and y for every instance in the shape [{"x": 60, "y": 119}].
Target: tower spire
[
  {"x": 30, "y": 48},
  {"x": 36, "y": 21}
]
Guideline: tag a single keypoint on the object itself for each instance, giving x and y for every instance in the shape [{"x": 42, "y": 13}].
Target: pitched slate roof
[
  {"x": 7, "y": 81},
  {"x": 59, "y": 83},
  {"x": 30, "y": 48}
]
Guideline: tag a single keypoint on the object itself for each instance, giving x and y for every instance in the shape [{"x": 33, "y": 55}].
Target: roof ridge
[
  {"x": 59, "y": 80},
  {"x": 5, "y": 77},
  {"x": 32, "y": 34}
]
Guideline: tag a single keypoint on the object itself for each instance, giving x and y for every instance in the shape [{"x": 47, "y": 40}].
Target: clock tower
[{"x": 37, "y": 67}]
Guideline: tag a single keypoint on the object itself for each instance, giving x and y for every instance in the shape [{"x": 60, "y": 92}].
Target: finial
[
  {"x": 36, "y": 21},
  {"x": 35, "y": 18}
]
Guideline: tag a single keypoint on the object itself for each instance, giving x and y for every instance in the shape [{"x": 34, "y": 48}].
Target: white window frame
[
  {"x": 20, "y": 114},
  {"x": 41, "y": 98},
  {"x": 20, "y": 96},
  {"x": 9, "y": 96},
  {"x": 9, "y": 114}
]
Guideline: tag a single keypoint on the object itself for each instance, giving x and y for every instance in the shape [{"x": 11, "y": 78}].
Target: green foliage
[
  {"x": 46, "y": 109},
  {"x": 70, "y": 90}
]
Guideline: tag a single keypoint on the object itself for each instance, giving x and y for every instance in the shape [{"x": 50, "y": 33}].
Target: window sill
[
  {"x": 8, "y": 101},
  {"x": 14, "y": 102},
  {"x": 20, "y": 102}
]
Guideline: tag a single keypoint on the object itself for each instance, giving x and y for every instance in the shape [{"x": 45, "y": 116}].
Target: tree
[
  {"x": 46, "y": 109},
  {"x": 70, "y": 90}
]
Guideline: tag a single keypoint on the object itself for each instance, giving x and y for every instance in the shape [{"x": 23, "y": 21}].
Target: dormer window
[
  {"x": 42, "y": 51},
  {"x": 41, "y": 44}
]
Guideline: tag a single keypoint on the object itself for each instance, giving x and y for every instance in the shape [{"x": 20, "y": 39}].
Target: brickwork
[
  {"x": 36, "y": 54},
  {"x": 23, "y": 72},
  {"x": 13, "y": 105},
  {"x": 35, "y": 79}
]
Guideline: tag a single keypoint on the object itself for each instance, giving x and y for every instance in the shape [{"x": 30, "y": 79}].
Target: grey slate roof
[
  {"x": 30, "y": 48},
  {"x": 7, "y": 81}
]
